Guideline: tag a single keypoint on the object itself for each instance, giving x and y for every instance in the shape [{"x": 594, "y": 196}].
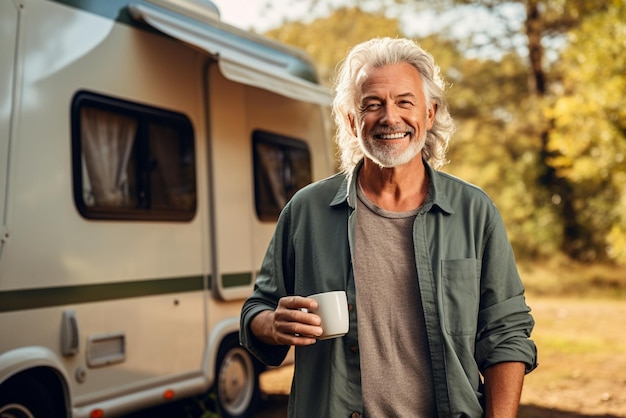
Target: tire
[
  {"x": 236, "y": 380},
  {"x": 26, "y": 397}
]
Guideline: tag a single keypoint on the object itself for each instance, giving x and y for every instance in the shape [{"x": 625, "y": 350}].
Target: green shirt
[{"x": 472, "y": 296}]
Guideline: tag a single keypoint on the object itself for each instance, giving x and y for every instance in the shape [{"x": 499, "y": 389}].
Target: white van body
[{"x": 105, "y": 310}]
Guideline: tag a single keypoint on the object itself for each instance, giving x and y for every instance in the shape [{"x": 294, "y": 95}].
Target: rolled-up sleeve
[{"x": 504, "y": 320}]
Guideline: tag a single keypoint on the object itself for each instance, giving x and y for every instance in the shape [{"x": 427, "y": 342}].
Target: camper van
[{"x": 146, "y": 150}]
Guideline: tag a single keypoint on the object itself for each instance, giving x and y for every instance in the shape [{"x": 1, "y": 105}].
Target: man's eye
[{"x": 372, "y": 106}]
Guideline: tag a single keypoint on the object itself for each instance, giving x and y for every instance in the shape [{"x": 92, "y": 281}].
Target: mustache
[{"x": 388, "y": 130}]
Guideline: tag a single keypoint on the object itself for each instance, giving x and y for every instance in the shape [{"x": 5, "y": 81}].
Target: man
[{"x": 439, "y": 326}]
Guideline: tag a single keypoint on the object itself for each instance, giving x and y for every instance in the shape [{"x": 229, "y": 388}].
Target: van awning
[{"x": 242, "y": 56}]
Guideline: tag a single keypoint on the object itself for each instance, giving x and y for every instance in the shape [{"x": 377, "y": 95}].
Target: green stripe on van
[
  {"x": 236, "y": 279},
  {"x": 15, "y": 300}
]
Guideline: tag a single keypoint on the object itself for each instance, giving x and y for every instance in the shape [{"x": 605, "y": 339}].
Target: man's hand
[{"x": 290, "y": 324}]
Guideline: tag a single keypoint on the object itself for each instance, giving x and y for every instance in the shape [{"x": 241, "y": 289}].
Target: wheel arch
[
  {"x": 236, "y": 384},
  {"x": 218, "y": 335},
  {"x": 40, "y": 364}
]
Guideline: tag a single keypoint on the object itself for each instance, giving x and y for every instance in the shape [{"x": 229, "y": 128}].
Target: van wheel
[
  {"x": 26, "y": 397},
  {"x": 237, "y": 380}
]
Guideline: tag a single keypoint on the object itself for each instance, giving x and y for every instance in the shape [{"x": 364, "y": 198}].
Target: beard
[{"x": 388, "y": 155}]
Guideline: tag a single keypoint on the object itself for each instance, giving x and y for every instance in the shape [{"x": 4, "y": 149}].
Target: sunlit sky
[
  {"x": 253, "y": 15},
  {"x": 248, "y": 14}
]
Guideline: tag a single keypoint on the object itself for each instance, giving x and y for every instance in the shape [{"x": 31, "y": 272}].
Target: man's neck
[{"x": 397, "y": 189}]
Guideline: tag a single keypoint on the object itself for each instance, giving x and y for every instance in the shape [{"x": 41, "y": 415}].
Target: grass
[{"x": 560, "y": 277}]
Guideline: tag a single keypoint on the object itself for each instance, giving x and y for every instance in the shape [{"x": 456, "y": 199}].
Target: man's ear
[
  {"x": 352, "y": 124},
  {"x": 430, "y": 116}
]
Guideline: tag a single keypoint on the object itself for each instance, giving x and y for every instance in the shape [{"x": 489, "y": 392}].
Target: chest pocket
[{"x": 461, "y": 290}]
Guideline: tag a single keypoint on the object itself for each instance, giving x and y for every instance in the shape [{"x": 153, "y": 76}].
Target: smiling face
[{"x": 393, "y": 117}]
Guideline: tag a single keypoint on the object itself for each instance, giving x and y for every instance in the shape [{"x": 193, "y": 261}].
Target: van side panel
[{"x": 111, "y": 274}]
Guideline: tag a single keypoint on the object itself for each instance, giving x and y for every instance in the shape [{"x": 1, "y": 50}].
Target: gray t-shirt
[{"x": 396, "y": 371}]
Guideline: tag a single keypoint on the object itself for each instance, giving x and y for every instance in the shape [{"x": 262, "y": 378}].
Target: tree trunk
[{"x": 571, "y": 243}]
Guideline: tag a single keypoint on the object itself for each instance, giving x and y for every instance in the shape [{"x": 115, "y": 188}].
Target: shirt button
[
  {"x": 353, "y": 349},
  {"x": 355, "y": 415},
  {"x": 350, "y": 307}
]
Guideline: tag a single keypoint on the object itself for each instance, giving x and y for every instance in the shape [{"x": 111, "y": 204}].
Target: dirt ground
[
  {"x": 582, "y": 357},
  {"x": 582, "y": 363}
]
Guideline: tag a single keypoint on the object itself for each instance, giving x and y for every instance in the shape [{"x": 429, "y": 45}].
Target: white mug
[{"x": 332, "y": 308}]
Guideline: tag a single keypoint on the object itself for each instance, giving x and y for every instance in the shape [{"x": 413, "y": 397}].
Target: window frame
[
  {"x": 145, "y": 115},
  {"x": 284, "y": 143}
]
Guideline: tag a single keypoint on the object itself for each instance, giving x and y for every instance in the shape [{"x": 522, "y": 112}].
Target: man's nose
[{"x": 390, "y": 116}]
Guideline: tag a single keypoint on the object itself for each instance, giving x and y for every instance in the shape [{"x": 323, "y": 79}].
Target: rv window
[
  {"x": 282, "y": 166},
  {"x": 131, "y": 161}
]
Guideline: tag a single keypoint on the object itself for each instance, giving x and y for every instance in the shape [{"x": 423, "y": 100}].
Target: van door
[{"x": 230, "y": 170}]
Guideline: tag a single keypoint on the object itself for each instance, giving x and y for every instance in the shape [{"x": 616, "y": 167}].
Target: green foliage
[
  {"x": 588, "y": 136},
  {"x": 496, "y": 147},
  {"x": 207, "y": 410}
]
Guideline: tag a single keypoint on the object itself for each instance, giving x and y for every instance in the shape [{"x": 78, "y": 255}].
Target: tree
[
  {"x": 496, "y": 147},
  {"x": 586, "y": 143}
]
